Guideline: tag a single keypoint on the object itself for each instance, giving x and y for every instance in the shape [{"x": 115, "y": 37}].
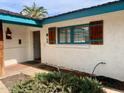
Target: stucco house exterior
[{"x": 77, "y": 40}]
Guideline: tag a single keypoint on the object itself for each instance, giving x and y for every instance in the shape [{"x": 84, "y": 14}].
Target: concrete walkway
[
  {"x": 3, "y": 88},
  {"x": 112, "y": 90},
  {"x": 31, "y": 70},
  {"x": 17, "y": 69}
]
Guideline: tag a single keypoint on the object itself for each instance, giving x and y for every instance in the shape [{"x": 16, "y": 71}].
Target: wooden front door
[{"x": 1, "y": 49}]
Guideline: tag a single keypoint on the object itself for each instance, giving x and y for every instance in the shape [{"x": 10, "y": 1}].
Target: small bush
[{"x": 58, "y": 83}]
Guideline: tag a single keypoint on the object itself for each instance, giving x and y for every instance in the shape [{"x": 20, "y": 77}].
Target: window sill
[{"x": 87, "y": 46}]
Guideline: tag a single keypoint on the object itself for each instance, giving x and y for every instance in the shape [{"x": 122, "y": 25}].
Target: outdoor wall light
[
  {"x": 47, "y": 38},
  {"x": 8, "y": 33}
]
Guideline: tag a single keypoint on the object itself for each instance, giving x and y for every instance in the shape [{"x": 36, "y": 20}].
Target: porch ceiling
[{"x": 13, "y": 19}]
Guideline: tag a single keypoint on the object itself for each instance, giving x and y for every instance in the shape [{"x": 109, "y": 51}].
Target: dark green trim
[
  {"x": 71, "y": 34},
  {"x": 87, "y": 12},
  {"x": 99, "y": 40},
  {"x": 59, "y": 36},
  {"x": 87, "y": 24}
]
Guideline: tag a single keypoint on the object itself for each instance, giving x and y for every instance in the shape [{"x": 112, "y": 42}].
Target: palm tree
[{"x": 34, "y": 11}]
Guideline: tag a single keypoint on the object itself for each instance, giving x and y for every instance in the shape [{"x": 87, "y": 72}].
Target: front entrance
[
  {"x": 36, "y": 45},
  {"x": 1, "y": 49}
]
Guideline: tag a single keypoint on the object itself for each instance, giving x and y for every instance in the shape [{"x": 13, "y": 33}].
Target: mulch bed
[
  {"x": 53, "y": 68},
  {"x": 10, "y": 81},
  {"x": 31, "y": 63},
  {"x": 110, "y": 82},
  {"x": 106, "y": 81}
]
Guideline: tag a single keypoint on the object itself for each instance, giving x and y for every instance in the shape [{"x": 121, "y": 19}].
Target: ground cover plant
[{"x": 58, "y": 82}]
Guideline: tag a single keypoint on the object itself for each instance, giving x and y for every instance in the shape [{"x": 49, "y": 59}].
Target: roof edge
[{"x": 85, "y": 12}]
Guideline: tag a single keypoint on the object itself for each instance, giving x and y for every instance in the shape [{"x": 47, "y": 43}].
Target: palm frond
[{"x": 34, "y": 11}]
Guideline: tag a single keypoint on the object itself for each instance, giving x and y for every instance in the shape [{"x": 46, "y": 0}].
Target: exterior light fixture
[{"x": 8, "y": 33}]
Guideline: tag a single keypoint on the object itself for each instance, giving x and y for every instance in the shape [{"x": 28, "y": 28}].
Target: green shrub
[{"x": 58, "y": 83}]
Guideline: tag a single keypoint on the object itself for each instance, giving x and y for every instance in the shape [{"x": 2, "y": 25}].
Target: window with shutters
[
  {"x": 91, "y": 33},
  {"x": 52, "y": 35}
]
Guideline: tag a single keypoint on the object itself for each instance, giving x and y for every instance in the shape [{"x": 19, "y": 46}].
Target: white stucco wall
[
  {"x": 85, "y": 57},
  {"x": 15, "y": 52}
]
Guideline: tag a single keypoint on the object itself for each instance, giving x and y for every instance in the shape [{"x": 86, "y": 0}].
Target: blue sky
[{"x": 54, "y": 7}]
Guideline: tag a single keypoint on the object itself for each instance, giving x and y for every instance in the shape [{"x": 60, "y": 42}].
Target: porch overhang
[{"x": 12, "y": 19}]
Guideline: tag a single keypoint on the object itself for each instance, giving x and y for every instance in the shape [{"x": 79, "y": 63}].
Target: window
[
  {"x": 91, "y": 33},
  {"x": 81, "y": 34},
  {"x": 73, "y": 35},
  {"x": 64, "y": 36}
]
